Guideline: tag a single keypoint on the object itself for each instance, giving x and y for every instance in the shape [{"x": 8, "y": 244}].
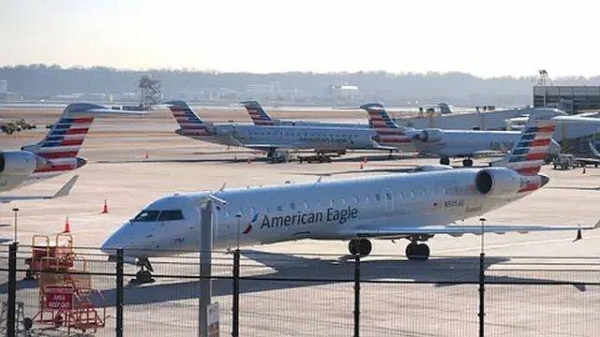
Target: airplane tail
[
  {"x": 63, "y": 142},
  {"x": 190, "y": 123},
  {"x": 387, "y": 130},
  {"x": 528, "y": 154},
  {"x": 257, "y": 113}
]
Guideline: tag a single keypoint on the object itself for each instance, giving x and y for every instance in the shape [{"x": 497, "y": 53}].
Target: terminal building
[{"x": 570, "y": 99}]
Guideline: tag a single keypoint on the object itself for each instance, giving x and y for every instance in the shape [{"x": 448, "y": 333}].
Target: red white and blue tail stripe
[
  {"x": 388, "y": 131},
  {"x": 527, "y": 157},
  {"x": 257, "y": 113},
  {"x": 62, "y": 144},
  {"x": 190, "y": 123}
]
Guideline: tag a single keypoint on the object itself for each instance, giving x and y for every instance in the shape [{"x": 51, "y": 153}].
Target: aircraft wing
[
  {"x": 458, "y": 230},
  {"x": 64, "y": 191}
]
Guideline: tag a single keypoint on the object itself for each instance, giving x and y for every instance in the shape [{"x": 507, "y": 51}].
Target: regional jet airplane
[
  {"x": 260, "y": 117},
  {"x": 445, "y": 144},
  {"x": 56, "y": 154},
  {"x": 274, "y": 139},
  {"x": 415, "y": 206}
]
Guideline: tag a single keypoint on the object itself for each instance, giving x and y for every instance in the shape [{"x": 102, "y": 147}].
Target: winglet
[{"x": 66, "y": 189}]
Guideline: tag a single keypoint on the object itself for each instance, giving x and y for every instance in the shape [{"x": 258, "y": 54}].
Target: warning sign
[
  {"x": 213, "y": 320},
  {"x": 59, "y": 297}
]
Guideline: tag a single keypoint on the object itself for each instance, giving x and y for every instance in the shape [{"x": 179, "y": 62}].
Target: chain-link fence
[{"x": 45, "y": 291}]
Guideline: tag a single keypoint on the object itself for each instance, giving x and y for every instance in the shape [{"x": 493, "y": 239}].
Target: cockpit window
[
  {"x": 171, "y": 215},
  {"x": 146, "y": 216}
]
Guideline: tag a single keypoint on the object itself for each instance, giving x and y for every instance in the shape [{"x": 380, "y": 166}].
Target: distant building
[
  {"x": 3, "y": 86},
  {"x": 344, "y": 93},
  {"x": 570, "y": 99},
  {"x": 262, "y": 91}
]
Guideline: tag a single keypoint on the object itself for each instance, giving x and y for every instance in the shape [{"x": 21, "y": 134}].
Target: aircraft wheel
[
  {"x": 361, "y": 247},
  {"x": 143, "y": 276},
  {"x": 418, "y": 252},
  {"x": 445, "y": 161},
  {"x": 468, "y": 162}
]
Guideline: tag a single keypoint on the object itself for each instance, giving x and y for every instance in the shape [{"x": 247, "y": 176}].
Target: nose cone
[
  {"x": 116, "y": 240},
  {"x": 545, "y": 179},
  {"x": 81, "y": 162}
]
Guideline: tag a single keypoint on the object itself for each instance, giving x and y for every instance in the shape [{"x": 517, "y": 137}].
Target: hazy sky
[{"x": 486, "y": 38}]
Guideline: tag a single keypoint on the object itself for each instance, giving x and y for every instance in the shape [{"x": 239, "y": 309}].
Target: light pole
[
  {"x": 16, "y": 213},
  {"x": 206, "y": 246}
]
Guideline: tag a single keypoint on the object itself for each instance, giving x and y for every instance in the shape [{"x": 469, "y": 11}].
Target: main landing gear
[
  {"x": 415, "y": 251},
  {"x": 467, "y": 162},
  {"x": 144, "y": 275},
  {"x": 360, "y": 247}
]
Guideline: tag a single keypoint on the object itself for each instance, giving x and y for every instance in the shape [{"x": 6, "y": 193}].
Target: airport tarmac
[{"x": 119, "y": 172}]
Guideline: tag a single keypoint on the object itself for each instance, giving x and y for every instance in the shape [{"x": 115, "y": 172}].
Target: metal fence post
[
  {"x": 119, "y": 293},
  {"x": 12, "y": 291},
  {"x": 481, "y": 294},
  {"x": 236, "y": 294},
  {"x": 356, "y": 295}
]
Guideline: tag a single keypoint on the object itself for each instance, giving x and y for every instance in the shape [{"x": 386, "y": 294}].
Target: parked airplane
[
  {"x": 274, "y": 139},
  {"x": 445, "y": 144},
  {"x": 415, "y": 206},
  {"x": 56, "y": 154},
  {"x": 260, "y": 117}
]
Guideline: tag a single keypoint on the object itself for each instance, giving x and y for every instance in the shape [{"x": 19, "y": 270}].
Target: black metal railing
[{"x": 266, "y": 294}]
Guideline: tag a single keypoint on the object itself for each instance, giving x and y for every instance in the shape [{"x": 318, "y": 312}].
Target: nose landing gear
[{"x": 144, "y": 275}]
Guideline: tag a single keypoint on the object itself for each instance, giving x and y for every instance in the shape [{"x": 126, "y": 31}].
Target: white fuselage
[
  {"x": 291, "y": 137},
  {"x": 468, "y": 143},
  {"x": 319, "y": 210}
]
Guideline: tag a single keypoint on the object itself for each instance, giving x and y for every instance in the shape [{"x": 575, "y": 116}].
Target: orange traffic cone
[
  {"x": 105, "y": 208},
  {"x": 67, "y": 226}
]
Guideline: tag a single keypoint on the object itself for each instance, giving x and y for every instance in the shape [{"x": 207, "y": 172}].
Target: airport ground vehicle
[{"x": 564, "y": 161}]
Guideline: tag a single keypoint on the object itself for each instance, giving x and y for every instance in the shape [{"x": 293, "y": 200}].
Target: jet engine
[
  {"x": 430, "y": 135},
  {"x": 22, "y": 163},
  {"x": 498, "y": 181}
]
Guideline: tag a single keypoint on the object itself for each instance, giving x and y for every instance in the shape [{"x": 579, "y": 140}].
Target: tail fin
[
  {"x": 190, "y": 123},
  {"x": 257, "y": 113},
  {"x": 527, "y": 156},
  {"x": 63, "y": 142},
  {"x": 387, "y": 130}
]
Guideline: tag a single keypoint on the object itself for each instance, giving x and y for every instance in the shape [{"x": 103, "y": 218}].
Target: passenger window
[
  {"x": 293, "y": 206},
  {"x": 172, "y": 215},
  {"x": 279, "y": 208},
  {"x": 331, "y": 203},
  {"x": 367, "y": 199},
  {"x": 343, "y": 201},
  {"x": 378, "y": 197},
  {"x": 147, "y": 216},
  {"x": 306, "y": 206},
  {"x": 356, "y": 200}
]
